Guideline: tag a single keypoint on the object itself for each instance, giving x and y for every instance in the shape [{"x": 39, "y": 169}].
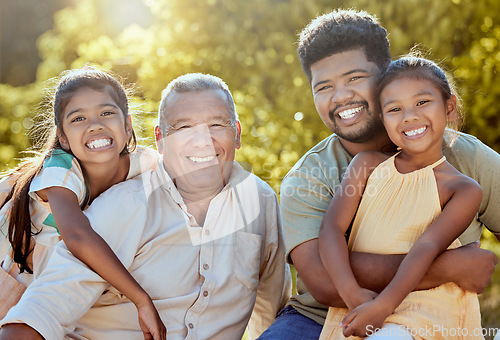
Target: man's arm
[
  {"x": 475, "y": 159},
  {"x": 470, "y": 267},
  {"x": 487, "y": 163}
]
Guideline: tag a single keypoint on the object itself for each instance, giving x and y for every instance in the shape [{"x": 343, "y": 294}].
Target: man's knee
[{"x": 291, "y": 325}]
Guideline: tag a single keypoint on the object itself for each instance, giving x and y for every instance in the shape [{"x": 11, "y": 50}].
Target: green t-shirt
[{"x": 309, "y": 186}]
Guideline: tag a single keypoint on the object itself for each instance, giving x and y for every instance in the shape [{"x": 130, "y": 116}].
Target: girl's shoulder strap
[{"x": 436, "y": 163}]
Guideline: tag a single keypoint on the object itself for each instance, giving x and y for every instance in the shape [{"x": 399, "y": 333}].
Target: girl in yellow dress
[{"x": 414, "y": 203}]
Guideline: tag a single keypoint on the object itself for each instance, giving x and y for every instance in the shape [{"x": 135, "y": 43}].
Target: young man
[
  {"x": 343, "y": 53},
  {"x": 200, "y": 234}
]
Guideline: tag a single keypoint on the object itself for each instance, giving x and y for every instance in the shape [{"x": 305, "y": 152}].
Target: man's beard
[{"x": 373, "y": 126}]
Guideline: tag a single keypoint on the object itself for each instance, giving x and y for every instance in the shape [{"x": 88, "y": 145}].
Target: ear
[
  {"x": 238, "y": 135},
  {"x": 159, "y": 139},
  {"x": 63, "y": 140},
  {"x": 128, "y": 126},
  {"x": 451, "y": 108}
]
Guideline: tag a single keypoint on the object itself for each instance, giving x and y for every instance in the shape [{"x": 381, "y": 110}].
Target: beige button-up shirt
[{"x": 205, "y": 281}]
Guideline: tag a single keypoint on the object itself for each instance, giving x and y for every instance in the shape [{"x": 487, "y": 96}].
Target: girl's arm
[
  {"x": 455, "y": 217},
  {"x": 338, "y": 216},
  {"x": 85, "y": 244}
]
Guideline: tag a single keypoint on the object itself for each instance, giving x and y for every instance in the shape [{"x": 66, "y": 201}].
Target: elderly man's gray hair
[{"x": 195, "y": 82}]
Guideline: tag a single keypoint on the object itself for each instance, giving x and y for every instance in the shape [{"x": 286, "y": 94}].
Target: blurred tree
[
  {"x": 252, "y": 46},
  {"x": 21, "y": 22}
]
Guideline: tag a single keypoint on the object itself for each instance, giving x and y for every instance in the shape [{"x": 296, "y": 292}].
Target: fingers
[
  {"x": 346, "y": 324},
  {"x": 353, "y": 329},
  {"x": 350, "y": 330},
  {"x": 163, "y": 333},
  {"x": 347, "y": 320},
  {"x": 160, "y": 333},
  {"x": 495, "y": 260}
]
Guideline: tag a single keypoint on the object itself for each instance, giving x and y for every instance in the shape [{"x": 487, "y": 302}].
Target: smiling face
[
  {"x": 94, "y": 128},
  {"x": 199, "y": 141},
  {"x": 415, "y": 114},
  {"x": 343, "y": 86}
]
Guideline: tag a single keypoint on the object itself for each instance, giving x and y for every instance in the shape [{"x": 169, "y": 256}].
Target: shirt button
[
  {"x": 205, "y": 293},
  {"x": 207, "y": 232},
  {"x": 190, "y": 325},
  {"x": 205, "y": 266}
]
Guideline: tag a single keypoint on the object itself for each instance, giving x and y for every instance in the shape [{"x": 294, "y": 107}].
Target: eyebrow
[
  {"x": 180, "y": 121},
  {"x": 100, "y": 106},
  {"x": 356, "y": 70},
  {"x": 221, "y": 118}
]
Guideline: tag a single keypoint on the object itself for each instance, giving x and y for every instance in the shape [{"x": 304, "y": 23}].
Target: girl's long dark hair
[{"x": 21, "y": 228}]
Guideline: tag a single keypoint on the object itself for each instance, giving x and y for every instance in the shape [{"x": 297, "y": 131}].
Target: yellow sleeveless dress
[{"x": 394, "y": 211}]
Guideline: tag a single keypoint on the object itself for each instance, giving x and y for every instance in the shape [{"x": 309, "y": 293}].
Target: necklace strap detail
[{"x": 439, "y": 161}]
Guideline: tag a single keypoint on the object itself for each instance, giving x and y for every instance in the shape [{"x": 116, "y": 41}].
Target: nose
[
  {"x": 95, "y": 125},
  {"x": 201, "y": 136},
  {"x": 410, "y": 115},
  {"x": 342, "y": 95}
]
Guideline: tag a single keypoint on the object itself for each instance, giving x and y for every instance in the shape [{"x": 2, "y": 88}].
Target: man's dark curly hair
[{"x": 340, "y": 31}]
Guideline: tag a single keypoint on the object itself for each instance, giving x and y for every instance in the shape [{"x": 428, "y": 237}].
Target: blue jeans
[{"x": 291, "y": 325}]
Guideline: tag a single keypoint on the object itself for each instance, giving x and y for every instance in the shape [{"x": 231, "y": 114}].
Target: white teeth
[
  {"x": 415, "y": 132},
  {"x": 350, "y": 113},
  {"x": 98, "y": 143},
  {"x": 201, "y": 159}
]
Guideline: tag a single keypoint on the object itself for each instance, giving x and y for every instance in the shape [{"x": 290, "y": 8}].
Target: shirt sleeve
[
  {"x": 61, "y": 169},
  {"x": 67, "y": 288},
  {"x": 141, "y": 160},
  {"x": 488, "y": 176},
  {"x": 304, "y": 199},
  {"x": 275, "y": 284},
  {"x": 5, "y": 186}
]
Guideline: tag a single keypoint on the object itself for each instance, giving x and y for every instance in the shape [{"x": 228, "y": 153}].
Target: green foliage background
[{"x": 251, "y": 45}]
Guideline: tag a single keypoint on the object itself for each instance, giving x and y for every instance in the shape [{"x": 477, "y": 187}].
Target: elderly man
[
  {"x": 199, "y": 233},
  {"x": 342, "y": 54}
]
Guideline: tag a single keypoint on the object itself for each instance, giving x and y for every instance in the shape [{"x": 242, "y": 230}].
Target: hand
[
  {"x": 364, "y": 318},
  {"x": 471, "y": 267},
  {"x": 19, "y": 331},
  {"x": 361, "y": 296},
  {"x": 151, "y": 325}
]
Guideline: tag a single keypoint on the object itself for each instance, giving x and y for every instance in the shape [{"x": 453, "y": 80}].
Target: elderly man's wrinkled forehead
[
  {"x": 182, "y": 111},
  {"x": 170, "y": 99},
  {"x": 194, "y": 83},
  {"x": 173, "y": 95}
]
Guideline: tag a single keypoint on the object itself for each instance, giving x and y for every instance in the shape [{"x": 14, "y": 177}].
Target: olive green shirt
[{"x": 309, "y": 186}]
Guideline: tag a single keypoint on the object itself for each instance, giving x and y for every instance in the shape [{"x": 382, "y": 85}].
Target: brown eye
[
  {"x": 323, "y": 88},
  {"x": 395, "y": 109},
  {"x": 77, "y": 119}
]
